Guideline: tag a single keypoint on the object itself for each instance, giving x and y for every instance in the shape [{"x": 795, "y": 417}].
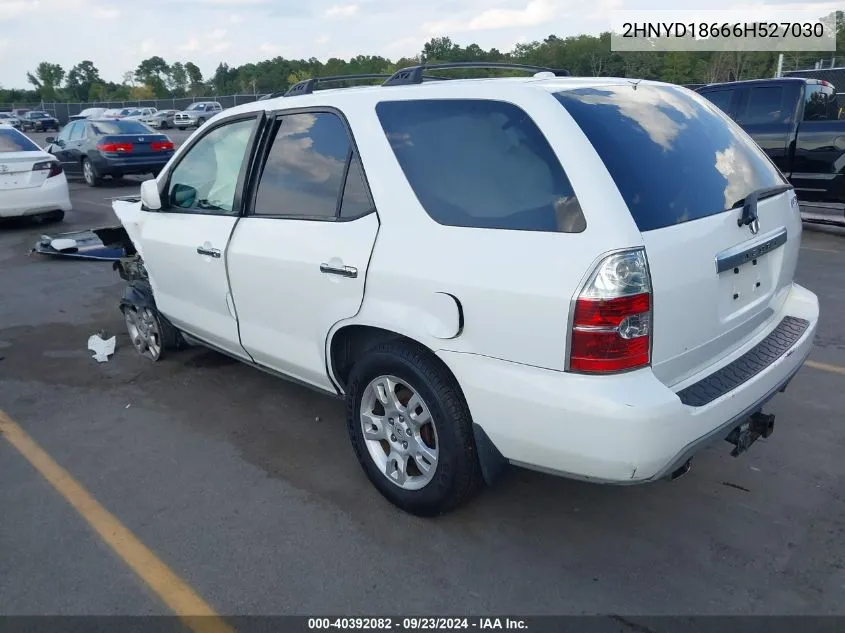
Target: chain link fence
[{"x": 64, "y": 110}]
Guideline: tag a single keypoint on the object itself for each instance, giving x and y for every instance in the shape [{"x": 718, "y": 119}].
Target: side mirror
[
  {"x": 150, "y": 198},
  {"x": 183, "y": 196},
  {"x": 50, "y": 139}
]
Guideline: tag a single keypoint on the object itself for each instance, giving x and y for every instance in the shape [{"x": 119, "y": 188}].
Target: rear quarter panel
[{"x": 514, "y": 287}]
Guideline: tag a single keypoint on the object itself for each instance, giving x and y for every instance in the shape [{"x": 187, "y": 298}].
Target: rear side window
[
  {"x": 673, "y": 158},
  {"x": 720, "y": 98},
  {"x": 765, "y": 105},
  {"x": 13, "y": 141},
  {"x": 480, "y": 163}
]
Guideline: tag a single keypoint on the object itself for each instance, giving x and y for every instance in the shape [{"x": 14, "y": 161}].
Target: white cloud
[
  {"x": 14, "y": 8},
  {"x": 191, "y": 44},
  {"x": 148, "y": 47},
  {"x": 106, "y": 14},
  {"x": 217, "y": 34},
  {"x": 271, "y": 49},
  {"x": 341, "y": 11},
  {"x": 323, "y": 39},
  {"x": 535, "y": 13},
  {"x": 236, "y": 18}
]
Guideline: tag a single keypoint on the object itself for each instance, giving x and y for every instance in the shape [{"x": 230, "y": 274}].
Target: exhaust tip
[{"x": 681, "y": 471}]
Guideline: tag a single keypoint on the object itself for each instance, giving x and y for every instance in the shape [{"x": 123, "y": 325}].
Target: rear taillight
[
  {"x": 115, "y": 147},
  {"x": 611, "y": 323},
  {"x": 52, "y": 167},
  {"x": 161, "y": 146}
]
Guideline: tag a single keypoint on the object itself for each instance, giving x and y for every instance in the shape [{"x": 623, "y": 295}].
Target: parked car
[
  {"x": 796, "y": 122},
  {"x": 162, "y": 119},
  {"x": 19, "y": 112},
  {"x": 88, "y": 113},
  {"x": 588, "y": 277},
  {"x": 116, "y": 113},
  {"x": 95, "y": 148},
  {"x": 196, "y": 114},
  {"x": 139, "y": 113},
  {"x": 31, "y": 180},
  {"x": 39, "y": 121},
  {"x": 8, "y": 119}
]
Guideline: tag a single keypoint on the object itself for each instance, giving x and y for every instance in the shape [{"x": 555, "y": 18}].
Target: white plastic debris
[
  {"x": 63, "y": 244},
  {"x": 102, "y": 348}
]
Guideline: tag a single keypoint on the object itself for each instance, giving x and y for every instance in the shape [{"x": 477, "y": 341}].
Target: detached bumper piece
[
  {"x": 744, "y": 368},
  {"x": 106, "y": 244}
]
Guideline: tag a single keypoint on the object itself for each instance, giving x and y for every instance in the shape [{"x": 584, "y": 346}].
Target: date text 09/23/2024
[{"x": 416, "y": 624}]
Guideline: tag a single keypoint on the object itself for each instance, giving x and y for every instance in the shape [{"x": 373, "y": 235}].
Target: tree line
[{"x": 582, "y": 55}]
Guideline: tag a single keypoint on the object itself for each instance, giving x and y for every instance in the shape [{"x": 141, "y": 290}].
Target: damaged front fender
[{"x": 104, "y": 244}]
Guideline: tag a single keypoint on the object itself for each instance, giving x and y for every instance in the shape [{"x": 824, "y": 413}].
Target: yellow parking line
[
  {"x": 834, "y": 369},
  {"x": 194, "y": 612}
]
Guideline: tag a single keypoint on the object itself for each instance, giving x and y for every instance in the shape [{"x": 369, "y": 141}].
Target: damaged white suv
[{"x": 591, "y": 277}]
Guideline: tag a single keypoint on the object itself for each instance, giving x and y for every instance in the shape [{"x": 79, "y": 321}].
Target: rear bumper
[
  {"x": 53, "y": 195},
  {"x": 627, "y": 428},
  {"x": 106, "y": 165}
]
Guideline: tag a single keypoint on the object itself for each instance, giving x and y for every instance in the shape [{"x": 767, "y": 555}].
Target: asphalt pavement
[{"x": 246, "y": 486}]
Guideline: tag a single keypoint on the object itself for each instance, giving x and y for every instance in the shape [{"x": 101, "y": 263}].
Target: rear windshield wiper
[{"x": 749, "y": 202}]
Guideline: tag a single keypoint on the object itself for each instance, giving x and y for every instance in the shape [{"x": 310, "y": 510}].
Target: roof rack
[
  {"x": 414, "y": 74},
  {"x": 306, "y": 86}
]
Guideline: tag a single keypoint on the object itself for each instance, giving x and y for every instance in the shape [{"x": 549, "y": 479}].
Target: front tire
[
  {"x": 411, "y": 429},
  {"x": 200, "y": 122}
]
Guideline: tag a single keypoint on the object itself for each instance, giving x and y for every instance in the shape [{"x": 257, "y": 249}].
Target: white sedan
[{"x": 32, "y": 182}]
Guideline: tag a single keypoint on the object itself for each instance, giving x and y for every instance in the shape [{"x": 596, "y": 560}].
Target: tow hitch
[{"x": 757, "y": 426}]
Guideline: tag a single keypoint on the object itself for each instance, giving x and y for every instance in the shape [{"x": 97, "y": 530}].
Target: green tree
[
  {"x": 81, "y": 79},
  {"x": 153, "y": 72},
  {"x": 47, "y": 78},
  {"x": 177, "y": 79}
]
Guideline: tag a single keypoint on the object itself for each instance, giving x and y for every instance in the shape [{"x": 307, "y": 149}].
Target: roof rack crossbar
[
  {"x": 306, "y": 86},
  {"x": 414, "y": 74}
]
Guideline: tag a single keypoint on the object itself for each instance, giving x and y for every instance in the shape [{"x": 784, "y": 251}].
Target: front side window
[
  {"x": 305, "y": 167},
  {"x": 77, "y": 129},
  {"x": 820, "y": 103},
  {"x": 206, "y": 178},
  {"x": 480, "y": 163}
]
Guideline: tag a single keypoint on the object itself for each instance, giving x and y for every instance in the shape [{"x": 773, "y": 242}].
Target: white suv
[{"x": 591, "y": 277}]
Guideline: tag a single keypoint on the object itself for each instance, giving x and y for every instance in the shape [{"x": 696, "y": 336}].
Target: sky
[{"x": 117, "y": 34}]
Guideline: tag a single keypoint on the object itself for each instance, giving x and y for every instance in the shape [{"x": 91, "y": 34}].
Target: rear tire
[
  {"x": 181, "y": 129},
  {"x": 424, "y": 468},
  {"x": 92, "y": 178}
]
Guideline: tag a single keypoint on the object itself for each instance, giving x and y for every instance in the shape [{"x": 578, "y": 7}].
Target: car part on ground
[
  {"x": 104, "y": 244},
  {"x": 591, "y": 277}
]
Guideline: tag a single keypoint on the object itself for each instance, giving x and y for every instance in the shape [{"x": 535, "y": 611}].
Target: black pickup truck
[{"x": 796, "y": 122}]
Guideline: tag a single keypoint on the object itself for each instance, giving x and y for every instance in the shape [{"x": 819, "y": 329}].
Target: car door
[
  {"x": 184, "y": 244},
  {"x": 819, "y": 162},
  {"x": 767, "y": 113},
  {"x": 76, "y": 147},
  {"x": 298, "y": 258},
  {"x": 59, "y": 147}
]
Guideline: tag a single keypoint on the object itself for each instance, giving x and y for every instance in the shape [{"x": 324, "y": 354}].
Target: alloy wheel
[{"x": 399, "y": 432}]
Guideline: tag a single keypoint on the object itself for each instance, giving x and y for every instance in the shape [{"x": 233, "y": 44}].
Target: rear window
[
  {"x": 673, "y": 158},
  {"x": 766, "y": 105},
  {"x": 480, "y": 163},
  {"x": 13, "y": 141},
  {"x": 104, "y": 128},
  {"x": 720, "y": 98}
]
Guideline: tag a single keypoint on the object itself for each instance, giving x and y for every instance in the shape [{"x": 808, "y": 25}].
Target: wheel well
[{"x": 352, "y": 341}]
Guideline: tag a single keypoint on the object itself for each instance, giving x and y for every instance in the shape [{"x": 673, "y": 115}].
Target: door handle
[
  {"x": 211, "y": 252},
  {"x": 343, "y": 271}
]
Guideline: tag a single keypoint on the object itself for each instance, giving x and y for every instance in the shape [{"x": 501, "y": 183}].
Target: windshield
[
  {"x": 104, "y": 128},
  {"x": 38, "y": 115},
  {"x": 196, "y": 106},
  {"x": 672, "y": 154},
  {"x": 135, "y": 113},
  {"x": 13, "y": 141}
]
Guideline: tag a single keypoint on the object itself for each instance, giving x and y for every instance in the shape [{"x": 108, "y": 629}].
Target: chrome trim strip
[{"x": 741, "y": 253}]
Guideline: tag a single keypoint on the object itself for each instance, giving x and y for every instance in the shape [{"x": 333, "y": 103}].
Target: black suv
[{"x": 39, "y": 121}]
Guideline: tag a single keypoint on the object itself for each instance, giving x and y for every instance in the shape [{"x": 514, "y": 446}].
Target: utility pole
[{"x": 779, "y": 72}]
